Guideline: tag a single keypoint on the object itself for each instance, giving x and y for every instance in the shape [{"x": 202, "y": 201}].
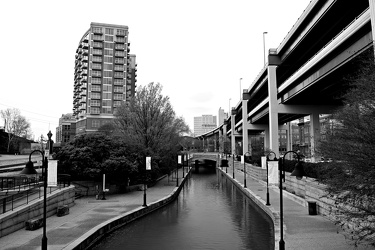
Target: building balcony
[
  {"x": 84, "y": 79},
  {"x": 84, "y": 72},
  {"x": 119, "y": 54},
  {"x": 97, "y": 45},
  {"x": 85, "y": 45},
  {"x": 120, "y": 40},
  {"x": 84, "y": 65},
  {"x": 119, "y": 68},
  {"x": 97, "y": 37},
  {"x": 119, "y": 61},
  {"x": 97, "y": 52},
  {"x": 119, "y": 75},
  {"x": 85, "y": 59},
  {"x": 97, "y": 30},
  {"x": 120, "y": 46}
]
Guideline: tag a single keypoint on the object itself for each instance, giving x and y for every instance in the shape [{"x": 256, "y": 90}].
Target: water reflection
[{"x": 210, "y": 213}]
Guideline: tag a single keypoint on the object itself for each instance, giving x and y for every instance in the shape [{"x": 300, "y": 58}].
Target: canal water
[{"x": 210, "y": 213}]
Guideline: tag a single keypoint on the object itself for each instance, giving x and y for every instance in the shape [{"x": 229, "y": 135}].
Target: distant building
[
  {"x": 66, "y": 130},
  {"x": 222, "y": 116},
  {"x": 105, "y": 75},
  {"x": 204, "y": 124}
]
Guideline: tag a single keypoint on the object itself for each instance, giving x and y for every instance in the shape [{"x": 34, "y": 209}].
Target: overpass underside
[{"x": 305, "y": 77}]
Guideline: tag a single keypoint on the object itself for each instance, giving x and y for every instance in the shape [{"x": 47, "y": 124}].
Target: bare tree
[{"x": 15, "y": 124}]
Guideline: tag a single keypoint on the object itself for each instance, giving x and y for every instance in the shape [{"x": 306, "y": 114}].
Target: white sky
[{"x": 197, "y": 49}]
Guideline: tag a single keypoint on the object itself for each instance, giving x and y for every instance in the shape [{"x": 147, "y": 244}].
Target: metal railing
[{"x": 22, "y": 194}]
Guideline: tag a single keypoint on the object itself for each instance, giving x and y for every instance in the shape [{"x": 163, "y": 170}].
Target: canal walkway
[{"x": 302, "y": 231}]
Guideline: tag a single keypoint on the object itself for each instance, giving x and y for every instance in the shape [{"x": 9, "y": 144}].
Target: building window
[
  {"x": 96, "y": 73},
  {"x": 97, "y": 51},
  {"x": 95, "y": 88},
  {"x": 107, "y": 95},
  {"x": 119, "y": 74},
  {"x": 108, "y": 59},
  {"x": 95, "y": 111},
  {"x": 120, "y": 53},
  {"x": 119, "y": 60},
  {"x": 108, "y": 66},
  {"x": 108, "y": 38},
  {"x": 117, "y": 103},
  {"x": 95, "y": 103},
  {"x": 107, "y": 73},
  {"x": 107, "y": 88},
  {"x": 108, "y": 45},
  {"x": 118, "y": 82},
  {"x": 96, "y": 66},
  {"x": 95, "y": 95},
  {"x": 121, "y": 32},
  {"x": 118, "y": 89},
  {"x": 120, "y": 39},
  {"x": 108, "y": 31},
  {"x": 97, "y": 44},
  {"x": 120, "y": 46},
  {"x": 97, "y": 29},
  {"x": 118, "y": 96},
  {"x": 97, "y": 37},
  {"x": 106, "y": 110},
  {"x": 107, "y": 103},
  {"x": 108, "y": 52},
  {"x": 95, "y": 123},
  {"x": 96, "y": 81},
  {"x": 107, "y": 81},
  {"x": 97, "y": 59}
]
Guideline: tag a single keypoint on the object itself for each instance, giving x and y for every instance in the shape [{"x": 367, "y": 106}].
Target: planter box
[
  {"x": 62, "y": 210},
  {"x": 33, "y": 224}
]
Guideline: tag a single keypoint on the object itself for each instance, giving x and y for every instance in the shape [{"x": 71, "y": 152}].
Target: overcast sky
[{"x": 197, "y": 49}]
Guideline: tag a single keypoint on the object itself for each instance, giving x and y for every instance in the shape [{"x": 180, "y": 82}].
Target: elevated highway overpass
[{"x": 305, "y": 76}]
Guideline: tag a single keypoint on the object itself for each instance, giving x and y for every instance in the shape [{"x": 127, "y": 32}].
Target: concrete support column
[
  {"x": 267, "y": 138},
  {"x": 221, "y": 141},
  {"x": 233, "y": 124},
  {"x": 314, "y": 135},
  {"x": 289, "y": 136},
  {"x": 225, "y": 138},
  {"x": 273, "y": 112},
  {"x": 245, "y": 136}
]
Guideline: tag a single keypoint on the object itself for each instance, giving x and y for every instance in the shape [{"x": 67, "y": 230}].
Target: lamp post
[
  {"x": 244, "y": 168},
  {"x": 233, "y": 166},
  {"x": 264, "y": 47},
  {"x": 268, "y": 159},
  {"x": 299, "y": 173},
  {"x": 179, "y": 162},
  {"x": 229, "y": 107},
  {"x": 29, "y": 169}
]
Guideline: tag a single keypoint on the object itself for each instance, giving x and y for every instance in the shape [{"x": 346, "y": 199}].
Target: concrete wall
[
  {"x": 15, "y": 220},
  {"x": 310, "y": 190}
]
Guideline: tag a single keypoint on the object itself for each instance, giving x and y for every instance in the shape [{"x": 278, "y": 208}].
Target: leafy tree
[
  {"x": 149, "y": 123},
  {"x": 350, "y": 142},
  {"x": 16, "y": 125},
  {"x": 89, "y": 156}
]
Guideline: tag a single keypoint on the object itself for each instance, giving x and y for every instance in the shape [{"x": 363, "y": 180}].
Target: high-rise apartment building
[
  {"x": 204, "y": 124},
  {"x": 104, "y": 75}
]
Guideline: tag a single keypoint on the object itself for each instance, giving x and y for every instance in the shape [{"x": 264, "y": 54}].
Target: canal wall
[{"x": 97, "y": 233}]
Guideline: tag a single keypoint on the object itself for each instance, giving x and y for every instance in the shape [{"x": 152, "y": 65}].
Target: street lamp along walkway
[
  {"x": 298, "y": 172},
  {"x": 29, "y": 169}
]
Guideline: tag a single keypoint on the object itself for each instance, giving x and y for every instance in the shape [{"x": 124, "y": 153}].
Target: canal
[{"x": 210, "y": 213}]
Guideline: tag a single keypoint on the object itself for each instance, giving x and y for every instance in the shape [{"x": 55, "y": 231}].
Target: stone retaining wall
[{"x": 14, "y": 220}]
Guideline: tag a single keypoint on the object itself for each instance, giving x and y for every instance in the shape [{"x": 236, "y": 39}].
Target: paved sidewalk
[
  {"x": 301, "y": 230},
  {"x": 84, "y": 216}
]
